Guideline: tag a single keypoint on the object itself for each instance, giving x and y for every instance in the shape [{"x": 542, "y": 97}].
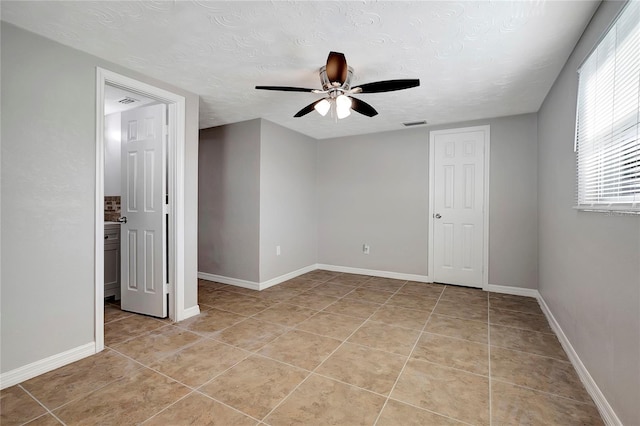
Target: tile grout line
[
  {"x": 92, "y": 391},
  {"x": 272, "y": 302},
  {"x": 430, "y": 411},
  {"x": 38, "y": 418},
  {"x": 383, "y": 395},
  {"x": 80, "y": 397},
  {"x": 408, "y": 359},
  {"x": 292, "y": 328},
  {"x": 119, "y": 319},
  {"x": 345, "y": 296},
  {"x": 149, "y": 368},
  {"x": 323, "y": 361},
  {"x": 360, "y": 344},
  {"x": 499, "y": 325},
  {"x": 369, "y": 391},
  {"x": 455, "y": 337},
  {"x": 199, "y": 392},
  {"x": 525, "y": 329},
  {"x": 531, "y": 353},
  {"x": 137, "y": 335},
  {"x": 188, "y": 345},
  {"x": 521, "y": 311},
  {"x": 550, "y": 394},
  {"x": 349, "y": 384},
  {"x": 448, "y": 367},
  {"x": 338, "y": 298},
  {"x": 256, "y": 353},
  {"x": 167, "y": 407},
  {"x": 165, "y": 375},
  {"x": 204, "y": 336},
  {"x": 191, "y": 388},
  {"x": 43, "y": 406}
]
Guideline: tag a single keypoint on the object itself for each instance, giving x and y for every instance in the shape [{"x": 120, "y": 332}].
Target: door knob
[
  {"x": 123, "y": 219},
  {"x": 437, "y": 216}
]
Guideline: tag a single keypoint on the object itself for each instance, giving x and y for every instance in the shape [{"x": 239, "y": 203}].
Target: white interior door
[
  {"x": 143, "y": 236},
  {"x": 458, "y": 206}
]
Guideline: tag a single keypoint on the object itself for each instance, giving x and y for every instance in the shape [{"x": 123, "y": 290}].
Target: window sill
[{"x": 610, "y": 210}]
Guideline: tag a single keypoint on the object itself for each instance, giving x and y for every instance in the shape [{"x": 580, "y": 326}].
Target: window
[{"x": 607, "y": 144}]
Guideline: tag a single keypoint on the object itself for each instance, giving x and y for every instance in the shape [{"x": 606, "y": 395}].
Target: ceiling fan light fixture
[
  {"x": 343, "y": 113},
  {"x": 323, "y": 107},
  {"x": 336, "y": 86},
  {"x": 343, "y": 106}
]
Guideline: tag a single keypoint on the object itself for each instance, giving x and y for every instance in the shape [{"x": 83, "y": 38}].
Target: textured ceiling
[{"x": 474, "y": 59}]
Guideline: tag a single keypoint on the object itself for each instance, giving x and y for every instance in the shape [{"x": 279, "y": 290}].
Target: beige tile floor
[{"x": 321, "y": 349}]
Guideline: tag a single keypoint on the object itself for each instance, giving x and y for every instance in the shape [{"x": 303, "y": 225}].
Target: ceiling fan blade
[
  {"x": 362, "y": 107},
  {"x": 285, "y": 88},
  {"x": 337, "y": 67},
  {"x": 306, "y": 110},
  {"x": 388, "y": 85}
]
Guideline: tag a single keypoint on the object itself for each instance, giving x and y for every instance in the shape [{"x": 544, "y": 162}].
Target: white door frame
[
  {"x": 485, "y": 214},
  {"x": 176, "y": 157}
]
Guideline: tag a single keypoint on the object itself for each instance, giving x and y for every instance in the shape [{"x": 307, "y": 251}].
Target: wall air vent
[
  {"x": 414, "y": 123},
  {"x": 127, "y": 100}
]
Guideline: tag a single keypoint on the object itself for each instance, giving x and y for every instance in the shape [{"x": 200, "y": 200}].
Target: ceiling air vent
[
  {"x": 127, "y": 100},
  {"x": 415, "y": 123}
]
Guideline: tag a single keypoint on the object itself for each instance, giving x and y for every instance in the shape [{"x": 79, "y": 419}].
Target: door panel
[
  {"x": 458, "y": 224},
  {"x": 143, "y": 186}
]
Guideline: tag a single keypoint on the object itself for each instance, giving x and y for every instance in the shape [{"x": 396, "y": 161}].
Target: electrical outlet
[
  {"x": 278, "y": 252},
  {"x": 365, "y": 248}
]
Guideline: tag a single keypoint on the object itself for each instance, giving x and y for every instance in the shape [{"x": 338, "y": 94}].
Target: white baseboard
[
  {"x": 255, "y": 285},
  {"x": 45, "y": 365},
  {"x": 517, "y": 291},
  {"x": 376, "y": 273},
  {"x": 608, "y": 415},
  {"x": 285, "y": 277},
  {"x": 190, "y": 312},
  {"x": 228, "y": 280}
]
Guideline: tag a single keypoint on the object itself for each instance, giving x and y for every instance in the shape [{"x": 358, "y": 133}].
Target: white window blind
[{"x": 608, "y": 116}]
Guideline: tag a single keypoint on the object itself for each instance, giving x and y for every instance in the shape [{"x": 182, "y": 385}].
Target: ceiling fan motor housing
[
  {"x": 335, "y": 88},
  {"x": 336, "y": 77}
]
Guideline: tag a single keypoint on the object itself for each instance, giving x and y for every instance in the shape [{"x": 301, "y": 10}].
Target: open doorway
[
  {"x": 135, "y": 191},
  {"x": 143, "y": 127}
]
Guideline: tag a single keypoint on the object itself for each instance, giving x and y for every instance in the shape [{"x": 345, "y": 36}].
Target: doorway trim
[
  {"x": 485, "y": 213},
  {"x": 176, "y": 167}
]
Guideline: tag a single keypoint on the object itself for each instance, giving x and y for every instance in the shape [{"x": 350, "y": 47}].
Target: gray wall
[
  {"x": 48, "y": 196},
  {"x": 229, "y": 201},
  {"x": 288, "y": 202},
  {"x": 374, "y": 189},
  {"x": 589, "y": 262}
]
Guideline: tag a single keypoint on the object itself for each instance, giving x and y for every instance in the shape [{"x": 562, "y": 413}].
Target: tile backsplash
[{"x": 111, "y": 208}]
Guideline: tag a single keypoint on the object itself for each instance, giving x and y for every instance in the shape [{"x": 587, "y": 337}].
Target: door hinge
[
  {"x": 165, "y": 209},
  {"x": 166, "y": 288}
]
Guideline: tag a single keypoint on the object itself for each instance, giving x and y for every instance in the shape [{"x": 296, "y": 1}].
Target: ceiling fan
[{"x": 336, "y": 84}]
